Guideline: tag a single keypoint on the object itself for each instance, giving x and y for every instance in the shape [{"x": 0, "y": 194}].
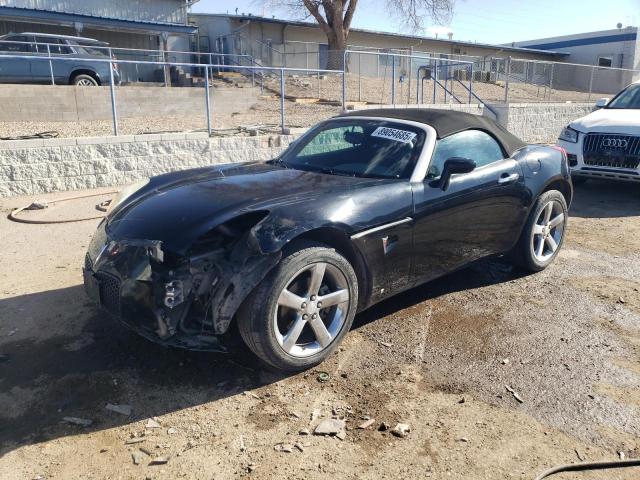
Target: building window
[{"x": 605, "y": 61}]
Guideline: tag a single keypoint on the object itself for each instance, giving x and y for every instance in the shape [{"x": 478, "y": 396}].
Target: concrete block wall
[
  {"x": 42, "y": 166},
  {"x": 539, "y": 122},
  {"x": 70, "y": 103}
]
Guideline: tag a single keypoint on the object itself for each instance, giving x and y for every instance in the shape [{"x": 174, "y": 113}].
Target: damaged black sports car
[{"x": 359, "y": 208}]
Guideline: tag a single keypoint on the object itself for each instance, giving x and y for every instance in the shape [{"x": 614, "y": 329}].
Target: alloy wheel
[
  {"x": 548, "y": 231},
  {"x": 85, "y": 82},
  {"x": 311, "y": 309}
]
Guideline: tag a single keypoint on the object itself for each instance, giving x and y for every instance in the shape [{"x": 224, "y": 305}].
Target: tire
[
  {"x": 84, "y": 80},
  {"x": 283, "y": 335},
  {"x": 543, "y": 228}
]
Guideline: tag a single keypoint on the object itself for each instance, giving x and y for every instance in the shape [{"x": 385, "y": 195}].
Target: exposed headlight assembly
[
  {"x": 126, "y": 192},
  {"x": 568, "y": 134}
]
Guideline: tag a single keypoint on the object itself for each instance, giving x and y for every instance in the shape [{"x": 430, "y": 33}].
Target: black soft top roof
[{"x": 447, "y": 122}]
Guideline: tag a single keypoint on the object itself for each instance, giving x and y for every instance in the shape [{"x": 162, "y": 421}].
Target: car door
[
  {"x": 479, "y": 214},
  {"x": 41, "y": 69},
  {"x": 16, "y": 70}
]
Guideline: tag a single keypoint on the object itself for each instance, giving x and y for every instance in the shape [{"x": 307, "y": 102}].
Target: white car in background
[{"x": 606, "y": 143}]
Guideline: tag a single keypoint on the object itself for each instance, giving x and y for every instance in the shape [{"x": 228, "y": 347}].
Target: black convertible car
[{"x": 359, "y": 208}]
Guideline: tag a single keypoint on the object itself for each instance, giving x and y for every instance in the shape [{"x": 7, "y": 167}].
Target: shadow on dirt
[
  {"x": 606, "y": 199},
  {"x": 42, "y": 381}
]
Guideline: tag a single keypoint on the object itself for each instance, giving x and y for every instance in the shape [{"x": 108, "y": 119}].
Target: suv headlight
[
  {"x": 568, "y": 134},
  {"x": 126, "y": 192}
]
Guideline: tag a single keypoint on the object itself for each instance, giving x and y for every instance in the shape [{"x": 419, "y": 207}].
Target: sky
[{"x": 484, "y": 21}]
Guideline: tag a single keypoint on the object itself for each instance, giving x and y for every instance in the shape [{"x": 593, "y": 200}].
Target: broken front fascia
[{"x": 190, "y": 298}]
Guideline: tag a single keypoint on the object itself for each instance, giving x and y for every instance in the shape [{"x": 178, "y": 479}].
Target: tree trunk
[{"x": 337, "y": 46}]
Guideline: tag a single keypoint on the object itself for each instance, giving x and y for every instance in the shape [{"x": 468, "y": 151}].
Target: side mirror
[
  {"x": 602, "y": 102},
  {"x": 452, "y": 166}
]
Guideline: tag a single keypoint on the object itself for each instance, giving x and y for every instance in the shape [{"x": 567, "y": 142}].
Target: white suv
[{"x": 606, "y": 143}]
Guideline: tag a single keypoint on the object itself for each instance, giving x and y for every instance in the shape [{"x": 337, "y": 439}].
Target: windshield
[
  {"x": 628, "y": 98},
  {"x": 359, "y": 148}
]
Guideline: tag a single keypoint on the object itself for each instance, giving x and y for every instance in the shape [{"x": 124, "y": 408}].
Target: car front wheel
[
  {"x": 299, "y": 313},
  {"x": 544, "y": 232}
]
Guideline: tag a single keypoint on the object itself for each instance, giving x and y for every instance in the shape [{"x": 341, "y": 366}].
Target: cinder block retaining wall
[
  {"x": 42, "y": 166},
  {"x": 539, "y": 122},
  {"x": 70, "y": 103}
]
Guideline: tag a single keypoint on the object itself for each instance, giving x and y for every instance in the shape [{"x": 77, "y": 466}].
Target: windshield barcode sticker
[{"x": 394, "y": 134}]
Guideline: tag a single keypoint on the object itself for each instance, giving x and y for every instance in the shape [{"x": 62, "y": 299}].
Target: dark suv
[{"x": 63, "y": 49}]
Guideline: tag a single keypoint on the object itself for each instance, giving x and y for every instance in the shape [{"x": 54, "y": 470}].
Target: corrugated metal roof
[
  {"x": 389, "y": 34},
  {"x": 29, "y": 14}
]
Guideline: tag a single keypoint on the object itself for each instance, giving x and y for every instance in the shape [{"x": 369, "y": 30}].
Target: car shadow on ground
[
  {"x": 48, "y": 377},
  {"x": 606, "y": 199}
]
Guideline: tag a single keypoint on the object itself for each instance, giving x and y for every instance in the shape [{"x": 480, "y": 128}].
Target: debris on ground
[
  {"x": 304, "y": 431},
  {"x": 401, "y": 430},
  {"x": 171, "y": 431},
  {"x": 367, "y": 424},
  {"x": 78, "y": 421},
  {"x": 514, "y": 393},
  {"x": 134, "y": 440},
  {"x": 464, "y": 439},
  {"x": 283, "y": 447},
  {"x": 384, "y": 426},
  {"x": 505, "y": 361},
  {"x": 137, "y": 457},
  {"x": 153, "y": 423},
  {"x": 243, "y": 447},
  {"x": 341, "y": 435},
  {"x": 323, "y": 377},
  {"x": 159, "y": 461},
  {"x": 579, "y": 455},
  {"x": 621, "y": 455},
  {"x": 121, "y": 409},
  {"x": 620, "y": 300},
  {"x": 299, "y": 446},
  {"x": 146, "y": 451},
  {"x": 330, "y": 426}
]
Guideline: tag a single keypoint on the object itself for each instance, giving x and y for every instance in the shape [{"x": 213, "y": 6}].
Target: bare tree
[{"x": 335, "y": 16}]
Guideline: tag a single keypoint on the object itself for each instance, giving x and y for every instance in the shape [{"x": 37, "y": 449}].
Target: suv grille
[
  {"x": 609, "y": 150},
  {"x": 109, "y": 292}
]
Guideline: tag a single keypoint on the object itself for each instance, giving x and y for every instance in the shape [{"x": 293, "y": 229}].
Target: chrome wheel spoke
[
  {"x": 557, "y": 220},
  {"x": 538, "y": 229},
  {"x": 540, "y": 247},
  {"x": 292, "y": 336},
  {"x": 548, "y": 210},
  {"x": 322, "y": 334},
  {"x": 334, "y": 298},
  {"x": 552, "y": 243},
  {"x": 289, "y": 299},
  {"x": 317, "y": 274}
]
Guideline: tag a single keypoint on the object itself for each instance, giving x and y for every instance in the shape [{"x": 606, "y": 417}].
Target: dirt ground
[{"x": 439, "y": 358}]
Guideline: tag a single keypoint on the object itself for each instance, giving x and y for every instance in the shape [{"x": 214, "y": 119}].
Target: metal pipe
[
  {"x": 53, "y": 81},
  {"x": 359, "y": 77},
  {"x": 114, "y": 112},
  {"x": 551, "y": 80},
  {"x": 435, "y": 80},
  {"x": 344, "y": 81},
  {"x": 591, "y": 83},
  {"x": 393, "y": 81},
  {"x": 207, "y": 99},
  {"x": 507, "y": 74},
  {"x": 282, "y": 99},
  {"x": 470, "y": 81}
]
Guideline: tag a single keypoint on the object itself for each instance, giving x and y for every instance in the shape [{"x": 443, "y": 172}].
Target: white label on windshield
[{"x": 394, "y": 134}]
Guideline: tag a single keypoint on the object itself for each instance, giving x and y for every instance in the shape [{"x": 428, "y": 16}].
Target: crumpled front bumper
[{"x": 127, "y": 282}]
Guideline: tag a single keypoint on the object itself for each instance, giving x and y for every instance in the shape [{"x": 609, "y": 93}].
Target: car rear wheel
[
  {"x": 299, "y": 313},
  {"x": 543, "y": 234},
  {"x": 84, "y": 80}
]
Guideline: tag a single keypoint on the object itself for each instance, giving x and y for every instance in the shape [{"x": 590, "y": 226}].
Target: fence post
[
  {"x": 206, "y": 97},
  {"x": 53, "y": 82},
  {"x": 470, "y": 82},
  {"x": 393, "y": 80},
  {"x": 359, "y": 77},
  {"x": 114, "y": 112},
  {"x": 591, "y": 83},
  {"x": 418, "y": 85},
  {"x": 344, "y": 81},
  {"x": 551, "y": 80},
  {"x": 435, "y": 79},
  {"x": 507, "y": 74},
  {"x": 410, "y": 74},
  {"x": 282, "y": 99}
]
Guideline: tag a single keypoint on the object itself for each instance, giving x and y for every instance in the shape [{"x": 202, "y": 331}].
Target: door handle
[{"x": 504, "y": 178}]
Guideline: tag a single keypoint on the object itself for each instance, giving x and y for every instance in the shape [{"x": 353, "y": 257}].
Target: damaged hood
[{"x": 179, "y": 207}]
